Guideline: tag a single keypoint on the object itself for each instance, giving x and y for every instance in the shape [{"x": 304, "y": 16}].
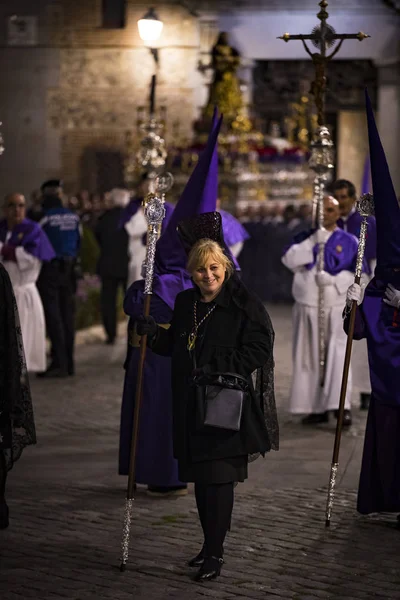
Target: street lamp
[{"x": 150, "y": 28}]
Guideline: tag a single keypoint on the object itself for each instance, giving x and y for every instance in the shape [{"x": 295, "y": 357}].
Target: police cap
[{"x": 51, "y": 183}]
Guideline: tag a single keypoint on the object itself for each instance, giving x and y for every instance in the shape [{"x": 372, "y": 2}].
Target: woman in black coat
[{"x": 217, "y": 326}]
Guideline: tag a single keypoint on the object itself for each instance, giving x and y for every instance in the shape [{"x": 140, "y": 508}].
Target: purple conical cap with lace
[{"x": 387, "y": 210}]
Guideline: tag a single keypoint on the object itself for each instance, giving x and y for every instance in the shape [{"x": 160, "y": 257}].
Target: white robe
[
  {"x": 306, "y": 395},
  {"x": 23, "y": 275},
  {"x": 136, "y": 228}
]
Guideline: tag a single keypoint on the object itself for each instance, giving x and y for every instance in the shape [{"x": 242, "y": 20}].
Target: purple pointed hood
[
  {"x": 199, "y": 195},
  {"x": 387, "y": 210}
]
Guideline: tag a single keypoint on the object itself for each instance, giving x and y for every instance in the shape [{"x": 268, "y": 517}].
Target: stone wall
[{"x": 78, "y": 89}]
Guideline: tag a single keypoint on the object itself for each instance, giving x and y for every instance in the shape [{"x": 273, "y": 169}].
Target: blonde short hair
[{"x": 205, "y": 249}]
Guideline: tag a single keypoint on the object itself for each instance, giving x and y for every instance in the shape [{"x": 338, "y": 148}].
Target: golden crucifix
[{"x": 323, "y": 37}]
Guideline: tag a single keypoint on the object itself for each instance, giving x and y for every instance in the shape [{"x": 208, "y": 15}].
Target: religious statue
[
  {"x": 323, "y": 37},
  {"x": 318, "y": 86},
  {"x": 301, "y": 122},
  {"x": 225, "y": 86}
]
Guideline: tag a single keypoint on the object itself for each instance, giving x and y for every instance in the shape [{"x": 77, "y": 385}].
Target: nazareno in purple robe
[
  {"x": 379, "y": 323},
  {"x": 155, "y": 463},
  {"x": 353, "y": 225},
  {"x": 379, "y": 489},
  {"x": 31, "y": 237}
]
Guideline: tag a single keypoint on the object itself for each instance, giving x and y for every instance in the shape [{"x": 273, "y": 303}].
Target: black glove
[{"x": 146, "y": 326}]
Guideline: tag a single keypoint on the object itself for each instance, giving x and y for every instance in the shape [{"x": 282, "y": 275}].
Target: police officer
[{"x": 57, "y": 280}]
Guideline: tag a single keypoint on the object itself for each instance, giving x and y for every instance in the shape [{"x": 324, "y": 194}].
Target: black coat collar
[{"x": 223, "y": 299}]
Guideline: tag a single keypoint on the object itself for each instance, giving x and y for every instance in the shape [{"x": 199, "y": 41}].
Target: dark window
[{"x": 113, "y": 12}]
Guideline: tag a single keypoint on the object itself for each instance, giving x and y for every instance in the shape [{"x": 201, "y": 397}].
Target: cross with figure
[{"x": 322, "y": 37}]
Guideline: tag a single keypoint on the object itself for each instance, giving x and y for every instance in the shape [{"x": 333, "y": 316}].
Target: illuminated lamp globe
[{"x": 150, "y": 26}]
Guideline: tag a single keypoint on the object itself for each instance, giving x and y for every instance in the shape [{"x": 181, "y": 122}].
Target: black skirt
[{"x": 223, "y": 470}]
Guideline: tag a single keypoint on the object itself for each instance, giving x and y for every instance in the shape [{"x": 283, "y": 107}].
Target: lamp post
[
  {"x": 152, "y": 153},
  {"x": 150, "y": 28}
]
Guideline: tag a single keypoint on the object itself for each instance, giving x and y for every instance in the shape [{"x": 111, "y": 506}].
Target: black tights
[
  {"x": 3, "y": 475},
  {"x": 214, "y": 504}
]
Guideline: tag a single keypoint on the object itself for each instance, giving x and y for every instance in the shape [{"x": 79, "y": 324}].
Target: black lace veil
[
  {"x": 209, "y": 225},
  {"x": 17, "y": 426}
]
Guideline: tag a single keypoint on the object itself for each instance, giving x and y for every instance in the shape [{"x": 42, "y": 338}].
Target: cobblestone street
[{"x": 66, "y": 506}]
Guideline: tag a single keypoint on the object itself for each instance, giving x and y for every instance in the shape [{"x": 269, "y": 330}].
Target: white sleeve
[
  {"x": 299, "y": 255},
  {"x": 25, "y": 260},
  {"x": 236, "y": 249},
  {"x": 137, "y": 226},
  {"x": 343, "y": 281}
]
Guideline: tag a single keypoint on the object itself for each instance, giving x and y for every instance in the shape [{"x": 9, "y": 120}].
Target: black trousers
[
  {"x": 57, "y": 285},
  {"x": 214, "y": 504},
  {"x": 108, "y": 303}
]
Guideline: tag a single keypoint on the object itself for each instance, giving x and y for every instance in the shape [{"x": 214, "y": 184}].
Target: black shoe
[
  {"x": 347, "y": 421},
  {"x": 364, "y": 401},
  {"x": 198, "y": 560},
  {"x": 4, "y": 515},
  {"x": 315, "y": 418},
  {"x": 210, "y": 569},
  {"x": 53, "y": 373}
]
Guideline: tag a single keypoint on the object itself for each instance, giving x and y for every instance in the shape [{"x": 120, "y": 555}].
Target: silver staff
[
  {"x": 321, "y": 162},
  {"x": 365, "y": 207},
  {"x": 154, "y": 212}
]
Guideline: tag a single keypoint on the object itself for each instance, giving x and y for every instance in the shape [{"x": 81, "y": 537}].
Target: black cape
[{"x": 17, "y": 426}]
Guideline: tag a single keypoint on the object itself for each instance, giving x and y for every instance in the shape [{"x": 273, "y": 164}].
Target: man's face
[
  {"x": 331, "y": 212},
  {"x": 15, "y": 209},
  {"x": 346, "y": 202}
]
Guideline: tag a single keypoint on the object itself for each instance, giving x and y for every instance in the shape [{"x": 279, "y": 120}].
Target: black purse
[{"x": 220, "y": 398}]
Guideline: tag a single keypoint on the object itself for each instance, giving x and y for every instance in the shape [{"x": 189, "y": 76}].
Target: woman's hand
[{"x": 146, "y": 326}]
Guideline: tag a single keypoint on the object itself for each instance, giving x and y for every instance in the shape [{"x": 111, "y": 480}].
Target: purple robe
[
  {"x": 233, "y": 230},
  {"x": 31, "y": 237},
  {"x": 340, "y": 251},
  {"x": 353, "y": 225},
  {"x": 155, "y": 463},
  {"x": 379, "y": 323}
]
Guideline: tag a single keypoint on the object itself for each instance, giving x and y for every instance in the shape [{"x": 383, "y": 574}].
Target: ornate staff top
[
  {"x": 154, "y": 211},
  {"x": 365, "y": 205},
  {"x": 322, "y": 37}
]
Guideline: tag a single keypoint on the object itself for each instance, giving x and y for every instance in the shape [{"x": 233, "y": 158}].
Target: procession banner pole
[
  {"x": 154, "y": 212},
  {"x": 365, "y": 207}
]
